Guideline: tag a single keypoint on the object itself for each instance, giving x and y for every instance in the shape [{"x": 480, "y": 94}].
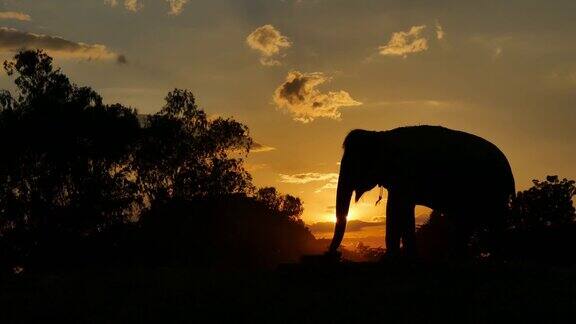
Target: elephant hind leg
[
  {"x": 399, "y": 224},
  {"x": 409, "y": 233}
]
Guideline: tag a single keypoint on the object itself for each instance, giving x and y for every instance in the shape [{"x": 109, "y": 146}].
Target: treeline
[
  {"x": 85, "y": 183},
  {"x": 540, "y": 227}
]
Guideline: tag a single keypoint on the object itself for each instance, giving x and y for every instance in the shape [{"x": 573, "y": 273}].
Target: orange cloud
[
  {"x": 258, "y": 148},
  {"x": 268, "y": 41},
  {"x": 303, "y": 178},
  {"x": 15, "y": 16},
  {"x": 132, "y": 5},
  {"x": 403, "y": 43},
  {"x": 330, "y": 179},
  {"x": 176, "y": 6},
  {"x": 299, "y": 95},
  {"x": 440, "y": 34}
]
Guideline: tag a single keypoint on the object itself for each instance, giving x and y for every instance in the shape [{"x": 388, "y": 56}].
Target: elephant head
[{"x": 358, "y": 173}]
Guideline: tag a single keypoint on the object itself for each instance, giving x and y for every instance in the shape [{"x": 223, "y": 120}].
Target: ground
[{"x": 295, "y": 293}]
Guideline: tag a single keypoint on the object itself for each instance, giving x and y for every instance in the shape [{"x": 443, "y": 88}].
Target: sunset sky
[{"x": 303, "y": 73}]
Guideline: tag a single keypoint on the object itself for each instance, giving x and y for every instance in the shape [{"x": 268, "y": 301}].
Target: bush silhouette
[
  {"x": 547, "y": 204},
  {"x": 542, "y": 225}
]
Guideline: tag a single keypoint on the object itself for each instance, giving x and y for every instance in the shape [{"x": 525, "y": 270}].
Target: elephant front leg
[{"x": 399, "y": 224}]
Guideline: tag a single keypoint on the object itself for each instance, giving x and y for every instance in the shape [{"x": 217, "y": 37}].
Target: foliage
[
  {"x": 183, "y": 154},
  {"x": 66, "y": 155},
  {"x": 541, "y": 226},
  {"x": 547, "y": 203},
  {"x": 76, "y": 173},
  {"x": 369, "y": 254},
  {"x": 234, "y": 231},
  {"x": 284, "y": 205}
]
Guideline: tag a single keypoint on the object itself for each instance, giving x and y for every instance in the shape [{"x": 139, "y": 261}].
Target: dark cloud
[
  {"x": 13, "y": 40},
  {"x": 121, "y": 59}
]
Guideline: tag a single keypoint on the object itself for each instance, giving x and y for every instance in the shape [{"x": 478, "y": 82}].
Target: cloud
[
  {"x": 299, "y": 95},
  {"x": 403, "y": 43},
  {"x": 333, "y": 184},
  {"x": 330, "y": 179},
  {"x": 493, "y": 45},
  {"x": 255, "y": 167},
  {"x": 351, "y": 226},
  {"x": 497, "y": 53},
  {"x": 258, "y": 148},
  {"x": 12, "y": 40},
  {"x": 268, "y": 61},
  {"x": 418, "y": 102},
  {"x": 440, "y": 34},
  {"x": 132, "y": 5},
  {"x": 303, "y": 178},
  {"x": 269, "y": 42},
  {"x": 176, "y": 6},
  {"x": 121, "y": 59},
  {"x": 15, "y": 15},
  {"x": 563, "y": 78}
]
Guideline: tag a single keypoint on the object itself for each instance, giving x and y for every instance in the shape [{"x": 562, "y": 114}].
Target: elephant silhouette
[{"x": 449, "y": 171}]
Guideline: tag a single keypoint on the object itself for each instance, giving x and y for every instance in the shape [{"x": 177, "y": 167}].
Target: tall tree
[
  {"x": 66, "y": 155},
  {"x": 184, "y": 154}
]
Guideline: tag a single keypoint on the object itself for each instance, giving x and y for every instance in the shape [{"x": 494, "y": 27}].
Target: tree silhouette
[
  {"x": 542, "y": 223},
  {"x": 65, "y": 154},
  {"x": 286, "y": 206},
  {"x": 547, "y": 204},
  {"x": 184, "y": 154},
  {"x": 86, "y": 182}
]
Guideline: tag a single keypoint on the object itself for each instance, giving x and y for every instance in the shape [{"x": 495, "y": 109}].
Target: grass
[{"x": 347, "y": 293}]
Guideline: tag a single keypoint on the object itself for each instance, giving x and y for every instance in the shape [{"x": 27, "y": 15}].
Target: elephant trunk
[{"x": 343, "y": 196}]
